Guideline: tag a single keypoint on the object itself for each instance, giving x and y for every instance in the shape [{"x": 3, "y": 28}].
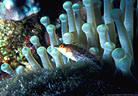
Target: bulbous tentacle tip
[
  {"x": 109, "y": 45},
  {"x": 102, "y": 28},
  {"x": 34, "y": 39},
  {"x": 85, "y": 27},
  {"x": 41, "y": 50},
  {"x": 26, "y": 51},
  {"x": 4, "y": 65},
  {"x": 44, "y": 20},
  {"x": 76, "y": 6},
  {"x": 63, "y": 17},
  {"x": 118, "y": 53},
  {"x": 50, "y": 28},
  {"x": 67, "y": 5}
]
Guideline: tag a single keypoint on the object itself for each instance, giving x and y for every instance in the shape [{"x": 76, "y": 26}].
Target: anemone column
[
  {"x": 117, "y": 54},
  {"x": 91, "y": 17},
  {"x": 35, "y": 41},
  {"x": 64, "y": 26},
  {"x": 81, "y": 35},
  {"x": 108, "y": 48},
  {"x": 27, "y": 53},
  {"x": 122, "y": 61},
  {"x": 41, "y": 51},
  {"x": 91, "y": 42},
  {"x": 122, "y": 33},
  {"x": 129, "y": 21},
  {"x": 71, "y": 19},
  {"x": 108, "y": 21},
  {"x": 125, "y": 64},
  {"x": 122, "y": 8},
  {"x": 137, "y": 21},
  {"x": 102, "y": 31},
  {"x": 45, "y": 21},
  {"x": 56, "y": 56},
  {"x": 97, "y": 10},
  {"x": 52, "y": 35}
]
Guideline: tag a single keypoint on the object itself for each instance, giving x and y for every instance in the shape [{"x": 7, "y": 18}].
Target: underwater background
[{"x": 68, "y": 47}]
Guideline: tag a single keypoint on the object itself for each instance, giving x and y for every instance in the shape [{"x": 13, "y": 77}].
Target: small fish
[
  {"x": 78, "y": 54},
  {"x": 66, "y": 49}
]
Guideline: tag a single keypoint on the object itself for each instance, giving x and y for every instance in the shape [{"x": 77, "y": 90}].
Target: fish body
[{"x": 78, "y": 54}]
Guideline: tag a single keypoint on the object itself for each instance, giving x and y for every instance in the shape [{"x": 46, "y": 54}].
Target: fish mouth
[{"x": 56, "y": 46}]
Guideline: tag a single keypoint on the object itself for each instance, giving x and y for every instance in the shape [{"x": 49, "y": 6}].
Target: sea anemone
[{"x": 95, "y": 59}]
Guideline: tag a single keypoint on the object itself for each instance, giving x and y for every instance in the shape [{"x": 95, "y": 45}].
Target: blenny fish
[{"x": 79, "y": 54}]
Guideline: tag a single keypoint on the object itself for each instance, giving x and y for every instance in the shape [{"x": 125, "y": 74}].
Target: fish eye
[{"x": 61, "y": 46}]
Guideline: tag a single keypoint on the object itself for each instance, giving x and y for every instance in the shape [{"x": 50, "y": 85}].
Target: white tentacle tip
[{"x": 67, "y": 5}]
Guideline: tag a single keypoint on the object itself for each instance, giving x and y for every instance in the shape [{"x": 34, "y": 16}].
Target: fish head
[{"x": 65, "y": 49}]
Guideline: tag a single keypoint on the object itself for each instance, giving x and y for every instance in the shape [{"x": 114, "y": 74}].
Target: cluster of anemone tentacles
[{"x": 98, "y": 35}]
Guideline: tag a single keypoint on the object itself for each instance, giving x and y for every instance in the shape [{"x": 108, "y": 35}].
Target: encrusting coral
[
  {"x": 13, "y": 10},
  {"x": 86, "y": 50},
  {"x": 10, "y": 33}
]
